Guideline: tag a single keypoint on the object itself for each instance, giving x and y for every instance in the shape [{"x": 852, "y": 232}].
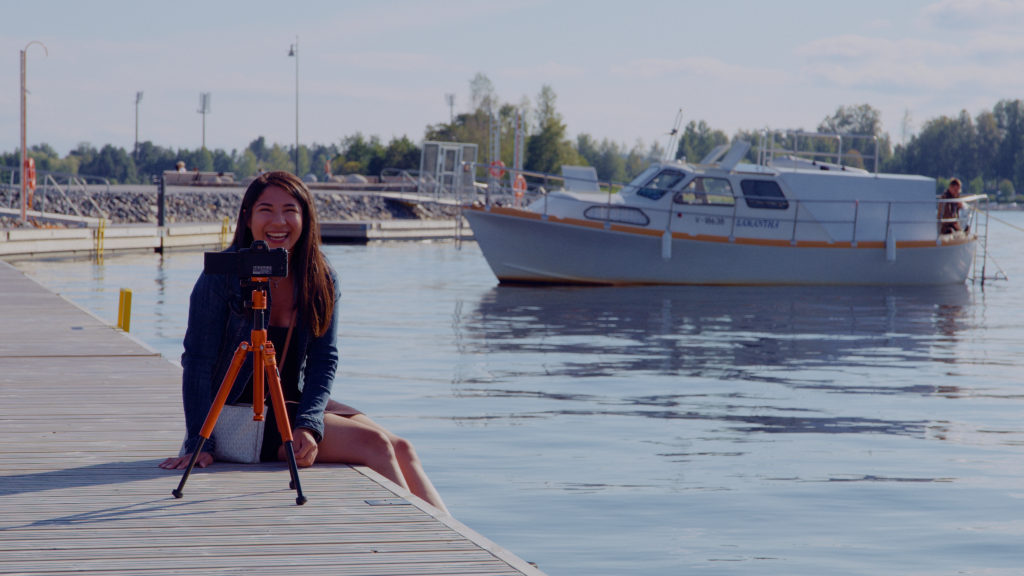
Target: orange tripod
[{"x": 264, "y": 363}]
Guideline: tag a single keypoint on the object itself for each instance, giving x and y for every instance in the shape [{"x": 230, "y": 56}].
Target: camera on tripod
[{"x": 256, "y": 261}]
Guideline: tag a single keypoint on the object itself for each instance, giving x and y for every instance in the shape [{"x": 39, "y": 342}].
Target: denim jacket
[{"x": 217, "y": 322}]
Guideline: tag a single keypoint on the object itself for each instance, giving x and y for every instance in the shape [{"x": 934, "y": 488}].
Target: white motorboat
[{"x": 783, "y": 220}]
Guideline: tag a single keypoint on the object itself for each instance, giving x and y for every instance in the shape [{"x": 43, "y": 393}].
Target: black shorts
[{"x": 271, "y": 437}]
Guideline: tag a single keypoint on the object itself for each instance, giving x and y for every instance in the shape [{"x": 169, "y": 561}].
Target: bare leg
[
  {"x": 360, "y": 440},
  {"x": 409, "y": 463}
]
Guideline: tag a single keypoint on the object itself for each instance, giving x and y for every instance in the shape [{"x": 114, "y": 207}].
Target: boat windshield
[{"x": 663, "y": 181}]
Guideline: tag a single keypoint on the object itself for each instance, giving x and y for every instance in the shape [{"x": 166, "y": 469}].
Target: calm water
[{"x": 609, "y": 431}]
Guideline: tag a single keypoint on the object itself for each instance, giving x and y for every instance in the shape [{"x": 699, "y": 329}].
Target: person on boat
[
  {"x": 278, "y": 208},
  {"x": 949, "y": 213}
]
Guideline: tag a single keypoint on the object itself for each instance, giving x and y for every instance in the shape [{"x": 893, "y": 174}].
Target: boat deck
[{"x": 87, "y": 412}]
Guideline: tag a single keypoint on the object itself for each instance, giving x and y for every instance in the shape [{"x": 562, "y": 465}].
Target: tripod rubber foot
[
  {"x": 176, "y": 493},
  {"x": 300, "y": 500}
]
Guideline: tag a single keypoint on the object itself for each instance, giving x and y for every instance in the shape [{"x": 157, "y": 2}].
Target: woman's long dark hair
[{"x": 308, "y": 265}]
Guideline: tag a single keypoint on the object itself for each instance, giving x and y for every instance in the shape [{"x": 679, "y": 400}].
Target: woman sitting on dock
[{"x": 278, "y": 208}]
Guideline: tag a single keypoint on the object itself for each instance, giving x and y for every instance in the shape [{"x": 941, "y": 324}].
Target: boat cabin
[{"x": 787, "y": 199}]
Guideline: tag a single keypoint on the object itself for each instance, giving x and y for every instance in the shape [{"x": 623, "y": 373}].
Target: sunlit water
[{"x": 671, "y": 430}]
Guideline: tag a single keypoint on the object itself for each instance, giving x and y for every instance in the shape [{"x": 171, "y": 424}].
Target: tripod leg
[
  {"x": 214, "y": 413},
  {"x": 284, "y": 426}
]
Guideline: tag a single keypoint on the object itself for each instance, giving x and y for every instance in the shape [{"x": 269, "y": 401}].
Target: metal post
[
  {"x": 161, "y": 201},
  {"x": 138, "y": 98},
  {"x": 294, "y": 51},
  {"x": 22, "y": 164},
  {"x": 204, "y": 109},
  {"x": 24, "y": 115}
]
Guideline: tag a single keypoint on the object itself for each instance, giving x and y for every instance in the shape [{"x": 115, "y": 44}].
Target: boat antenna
[{"x": 673, "y": 137}]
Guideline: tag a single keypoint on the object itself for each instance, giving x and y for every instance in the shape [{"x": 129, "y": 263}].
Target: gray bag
[{"x": 236, "y": 436}]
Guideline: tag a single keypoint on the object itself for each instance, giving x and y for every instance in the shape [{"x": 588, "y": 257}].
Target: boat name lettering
[
  {"x": 769, "y": 223},
  {"x": 711, "y": 220}
]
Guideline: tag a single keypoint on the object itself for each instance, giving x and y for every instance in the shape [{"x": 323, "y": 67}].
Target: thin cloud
[
  {"x": 546, "y": 70},
  {"x": 958, "y": 14},
  {"x": 698, "y": 68}
]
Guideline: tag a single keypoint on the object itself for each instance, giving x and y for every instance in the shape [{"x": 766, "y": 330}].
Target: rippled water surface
[{"x": 670, "y": 430}]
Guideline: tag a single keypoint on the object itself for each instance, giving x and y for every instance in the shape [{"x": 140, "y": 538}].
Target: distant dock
[
  {"x": 87, "y": 413},
  {"x": 80, "y": 242}
]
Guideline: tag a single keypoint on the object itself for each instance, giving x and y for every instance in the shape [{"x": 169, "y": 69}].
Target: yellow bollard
[
  {"x": 124, "y": 310},
  {"x": 225, "y": 232},
  {"x": 101, "y": 232}
]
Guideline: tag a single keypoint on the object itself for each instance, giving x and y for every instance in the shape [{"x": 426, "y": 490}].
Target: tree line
[{"x": 985, "y": 151}]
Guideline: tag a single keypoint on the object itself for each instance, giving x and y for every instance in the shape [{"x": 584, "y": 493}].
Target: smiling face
[{"x": 276, "y": 218}]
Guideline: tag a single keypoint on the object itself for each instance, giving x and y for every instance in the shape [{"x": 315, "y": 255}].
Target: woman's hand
[
  {"x": 181, "y": 462},
  {"x": 304, "y": 445}
]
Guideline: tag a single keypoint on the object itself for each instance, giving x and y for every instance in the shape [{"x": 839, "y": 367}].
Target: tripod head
[
  {"x": 253, "y": 266},
  {"x": 256, "y": 261}
]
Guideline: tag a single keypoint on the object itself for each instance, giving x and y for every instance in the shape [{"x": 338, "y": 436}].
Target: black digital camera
[{"x": 258, "y": 260}]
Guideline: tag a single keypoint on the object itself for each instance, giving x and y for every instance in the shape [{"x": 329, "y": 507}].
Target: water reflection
[
  {"x": 720, "y": 332},
  {"x": 682, "y": 338}
]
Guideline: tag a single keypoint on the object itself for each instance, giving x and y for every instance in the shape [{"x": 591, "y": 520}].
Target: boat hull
[{"x": 525, "y": 247}]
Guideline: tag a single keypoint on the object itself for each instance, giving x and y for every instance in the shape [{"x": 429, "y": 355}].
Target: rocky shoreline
[{"x": 138, "y": 205}]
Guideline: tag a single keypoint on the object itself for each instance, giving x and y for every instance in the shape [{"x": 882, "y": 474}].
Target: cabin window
[
  {"x": 709, "y": 191},
  {"x": 623, "y": 214},
  {"x": 764, "y": 194},
  {"x": 660, "y": 184}
]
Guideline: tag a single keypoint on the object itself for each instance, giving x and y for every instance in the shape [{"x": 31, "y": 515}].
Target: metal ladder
[{"x": 979, "y": 274}]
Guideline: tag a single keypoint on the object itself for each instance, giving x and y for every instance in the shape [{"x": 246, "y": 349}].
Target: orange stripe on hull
[{"x": 872, "y": 245}]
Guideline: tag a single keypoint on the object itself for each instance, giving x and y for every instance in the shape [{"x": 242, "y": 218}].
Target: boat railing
[
  {"x": 860, "y": 215},
  {"x": 57, "y": 192},
  {"x": 502, "y": 189},
  {"x": 900, "y": 216},
  {"x": 798, "y": 145}
]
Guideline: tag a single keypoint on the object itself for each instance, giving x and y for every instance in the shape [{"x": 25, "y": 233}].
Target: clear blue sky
[{"x": 621, "y": 70}]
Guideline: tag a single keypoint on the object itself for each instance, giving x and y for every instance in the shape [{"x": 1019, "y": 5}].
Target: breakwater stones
[{"x": 138, "y": 205}]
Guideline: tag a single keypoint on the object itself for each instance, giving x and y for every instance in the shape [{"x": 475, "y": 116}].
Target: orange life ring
[
  {"x": 519, "y": 188},
  {"x": 30, "y": 173},
  {"x": 519, "y": 185},
  {"x": 497, "y": 169}
]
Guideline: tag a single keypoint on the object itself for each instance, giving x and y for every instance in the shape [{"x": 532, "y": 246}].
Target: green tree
[
  {"x": 548, "y": 149},
  {"x": 856, "y": 124},
  {"x": 481, "y": 93},
  {"x": 247, "y": 164},
  {"x": 153, "y": 160},
  {"x": 1009, "y": 161},
  {"x": 944, "y": 147},
  {"x": 402, "y": 154},
  {"x": 112, "y": 163},
  {"x": 698, "y": 140}
]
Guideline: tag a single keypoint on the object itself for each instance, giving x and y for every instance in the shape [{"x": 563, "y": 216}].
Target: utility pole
[
  {"x": 294, "y": 51},
  {"x": 450, "y": 99},
  {"x": 24, "y": 116},
  {"x": 138, "y": 98},
  {"x": 204, "y": 109}
]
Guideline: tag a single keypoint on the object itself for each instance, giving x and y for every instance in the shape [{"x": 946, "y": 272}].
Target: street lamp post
[
  {"x": 24, "y": 115},
  {"x": 138, "y": 98},
  {"x": 294, "y": 51},
  {"x": 204, "y": 109},
  {"x": 450, "y": 99}
]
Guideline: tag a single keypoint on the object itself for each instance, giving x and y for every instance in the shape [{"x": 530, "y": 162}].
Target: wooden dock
[
  {"x": 85, "y": 241},
  {"x": 87, "y": 412}
]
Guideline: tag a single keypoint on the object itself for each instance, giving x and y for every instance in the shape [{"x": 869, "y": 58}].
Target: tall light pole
[
  {"x": 450, "y": 99},
  {"x": 138, "y": 98},
  {"x": 24, "y": 115},
  {"x": 204, "y": 109},
  {"x": 294, "y": 51}
]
